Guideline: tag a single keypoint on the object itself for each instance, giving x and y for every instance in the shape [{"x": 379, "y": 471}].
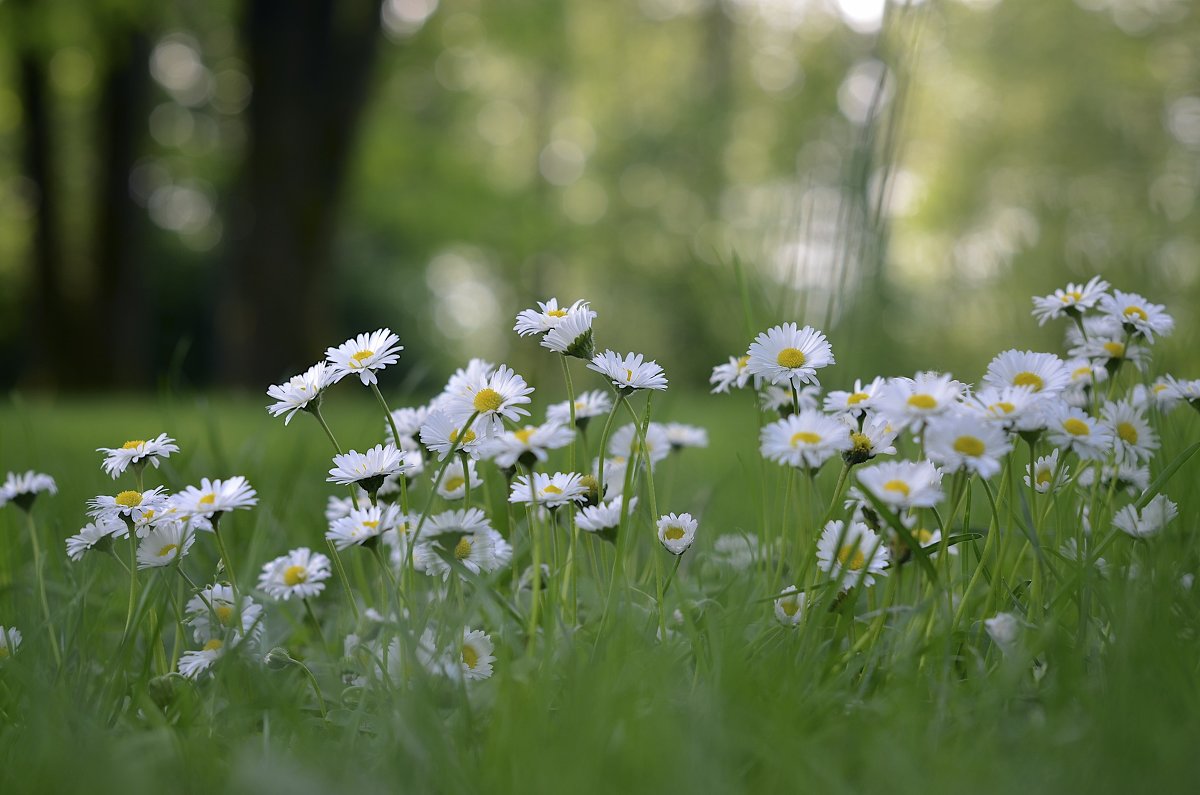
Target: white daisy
[
  {"x": 93, "y": 535},
  {"x": 194, "y": 663},
  {"x": 927, "y": 539},
  {"x": 137, "y": 452},
  {"x": 22, "y": 489},
  {"x": 440, "y": 435},
  {"x": 572, "y": 335},
  {"x": 1137, "y": 315},
  {"x": 1157, "y": 514},
  {"x": 1015, "y": 408},
  {"x": 1159, "y": 394},
  {"x": 603, "y": 515},
  {"x": 527, "y": 445},
  {"x": 130, "y": 504},
  {"x": 677, "y": 532},
  {"x": 363, "y": 355},
  {"x": 1072, "y": 429},
  {"x": 213, "y": 612},
  {"x": 300, "y": 573},
  {"x": 476, "y": 552},
  {"x": 780, "y": 399},
  {"x": 624, "y": 442},
  {"x": 547, "y": 316},
  {"x": 475, "y": 371},
  {"x": 903, "y": 484},
  {"x": 299, "y": 391},
  {"x": 397, "y": 537},
  {"x": 454, "y": 480},
  {"x": 965, "y": 442},
  {"x": 1107, "y": 343},
  {"x": 876, "y": 437},
  {"x": 851, "y": 555},
  {"x": 739, "y": 551},
  {"x": 857, "y": 401},
  {"x": 165, "y": 544},
  {"x": 10, "y": 641},
  {"x": 492, "y": 398},
  {"x": 788, "y": 354},
  {"x": 551, "y": 490},
  {"x": 1042, "y": 373},
  {"x": 592, "y": 403},
  {"x": 789, "y": 607},
  {"x": 732, "y": 373},
  {"x": 681, "y": 435},
  {"x": 213, "y": 497},
  {"x": 362, "y": 525},
  {"x": 475, "y": 654},
  {"x": 339, "y": 507},
  {"x": 910, "y": 402},
  {"x": 630, "y": 371},
  {"x": 1085, "y": 372},
  {"x": 1133, "y": 438},
  {"x": 807, "y": 439},
  {"x": 1045, "y": 475},
  {"x": 1075, "y": 299},
  {"x": 1005, "y": 630},
  {"x": 1131, "y": 477},
  {"x": 1186, "y": 390},
  {"x": 368, "y": 469},
  {"x": 408, "y": 422}
]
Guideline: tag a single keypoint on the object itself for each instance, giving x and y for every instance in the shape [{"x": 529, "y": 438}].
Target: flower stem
[
  {"x": 41, "y": 583},
  {"x": 316, "y": 624},
  {"x": 333, "y": 552},
  {"x": 216, "y": 526}
]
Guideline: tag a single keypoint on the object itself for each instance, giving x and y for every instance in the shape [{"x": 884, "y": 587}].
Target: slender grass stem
[{"x": 41, "y": 584}]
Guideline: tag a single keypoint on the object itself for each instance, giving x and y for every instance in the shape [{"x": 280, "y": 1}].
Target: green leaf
[
  {"x": 918, "y": 552},
  {"x": 1165, "y": 475}
]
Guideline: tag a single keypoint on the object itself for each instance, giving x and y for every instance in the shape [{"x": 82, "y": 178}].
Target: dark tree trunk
[{"x": 310, "y": 66}]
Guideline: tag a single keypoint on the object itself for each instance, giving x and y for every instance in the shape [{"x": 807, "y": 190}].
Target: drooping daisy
[
  {"x": 300, "y": 573},
  {"x": 789, "y": 607},
  {"x": 93, "y": 535},
  {"x": 1046, "y": 475},
  {"x": 165, "y": 544},
  {"x": 1015, "y": 408},
  {"x": 903, "y": 484},
  {"x": 572, "y": 335},
  {"x": 1159, "y": 394},
  {"x": 1186, "y": 390},
  {"x": 733, "y": 373},
  {"x": 603, "y": 515},
  {"x": 214, "y": 612},
  {"x": 1042, "y": 373},
  {"x": 780, "y": 399},
  {"x": 677, "y": 532},
  {"x": 549, "y": 491},
  {"x": 1133, "y": 438},
  {"x": 1072, "y": 429},
  {"x": 300, "y": 392},
  {"x": 592, "y": 403},
  {"x": 130, "y": 504},
  {"x": 492, "y": 399},
  {"x": 213, "y": 497},
  {"x": 964, "y": 442},
  {"x": 194, "y": 663},
  {"x": 408, "y": 423},
  {"x": 1157, "y": 514},
  {"x": 441, "y": 435},
  {"x": 10, "y": 641},
  {"x": 476, "y": 654},
  {"x": 547, "y": 316},
  {"x": 527, "y": 445},
  {"x": 363, "y": 355},
  {"x": 455, "y": 480},
  {"x": 1137, "y": 315},
  {"x": 1107, "y": 343},
  {"x": 857, "y": 401},
  {"x": 681, "y": 435},
  {"x": 807, "y": 439},
  {"x": 362, "y": 525},
  {"x": 629, "y": 372},
  {"x": 625, "y": 443},
  {"x": 366, "y": 470},
  {"x": 910, "y": 402},
  {"x": 789, "y": 354},
  {"x": 22, "y": 489},
  {"x": 875, "y": 437},
  {"x": 137, "y": 452},
  {"x": 851, "y": 555},
  {"x": 1072, "y": 301}
]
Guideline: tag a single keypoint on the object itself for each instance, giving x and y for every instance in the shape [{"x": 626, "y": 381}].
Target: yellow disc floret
[
  {"x": 807, "y": 437},
  {"x": 1029, "y": 379},
  {"x": 970, "y": 446},
  {"x": 487, "y": 400},
  {"x": 923, "y": 401},
  {"x": 791, "y": 358},
  {"x": 128, "y": 499},
  {"x": 851, "y": 557},
  {"x": 295, "y": 575}
]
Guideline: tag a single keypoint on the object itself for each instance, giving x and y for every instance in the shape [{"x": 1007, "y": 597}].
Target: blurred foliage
[{"x": 630, "y": 152}]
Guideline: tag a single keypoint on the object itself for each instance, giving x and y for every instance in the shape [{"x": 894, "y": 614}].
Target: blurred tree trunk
[{"x": 310, "y": 66}]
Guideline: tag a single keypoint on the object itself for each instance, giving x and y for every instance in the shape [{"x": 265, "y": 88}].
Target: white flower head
[
  {"x": 807, "y": 439},
  {"x": 164, "y": 544},
  {"x": 548, "y": 491},
  {"x": 548, "y": 315},
  {"x": 677, "y": 532},
  {"x": 456, "y": 479},
  {"x": 442, "y": 435},
  {"x": 910, "y": 402},
  {"x": 300, "y": 573},
  {"x": 92, "y": 535},
  {"x": 362, "y": 525},
  {"x": 470, "y": 542},
  {"x": 1073, "y": 300},
  {"x": 23, "y": 488},
  {"x": 214, "y": 497},
  {"x": 1041, "y": 373},
  {"x": 851, "y": 554},
  {"x": 364, "y": 355},
  {"x": 572, "y": 335},
  {"x": 1133, "y": 438},
  {"x": 789, "y": 606},
  {"x": 962, "y": 441},
  {"x": 856, "y": 401},
  {"x": 531, "y": 443},
  {"x": 193, "y": 664},
  {"x": 1157, "y": 514},
  {"x": 603, "y": 515},
  {"x": 592, "y": 403},
  {"x": 1072, "y": 429},
  {"x": 734, "y": 373},
  {"x": 366, "y": 469},
  {"x": 476, "y": 656},
  {"x": 1047, "y": 475},
  {"x": 1130, "y": 476},
  {"x": 408, "y": 422},
  {"x": 737, "y": 550},
  {"x": 1160, "y": 395},
  {"x": 629, "y": 372},
  {"x": 492, "y": 398},
  {"x": 214, "y": 612},
  {"x": 681, "y": 435},
  {"x": 1004, "y": 629},
  {"x": 780, "y": 399},
  {"x": 624, "y": 442},
  {"x": 10, "y": 641},
  {"x": 903, "y": 484},
  {"x": 875, "y": 437},
  {"x": 300, "y": 391},
  {"x": 1137, "y": 315},
  {"x": 140, "y": 507},
  {"x": 1014, "y": 408},
  {"x": 1107, "y": 343},
  {"x": 137, "y": 452},
  {"x": 789, "y": 354}
]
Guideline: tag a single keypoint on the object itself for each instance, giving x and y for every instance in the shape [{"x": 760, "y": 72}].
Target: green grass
[{"x": 1103, "y": 695}]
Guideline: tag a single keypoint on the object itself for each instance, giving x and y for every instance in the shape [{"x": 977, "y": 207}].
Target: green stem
[
  {"x": 333, "y": 551},
  {"x": 41, "y": 583},
  {"x": 608, "y": 421},
  {"x": 312, "y": 616},
  {"x": 216, "y": 526}
]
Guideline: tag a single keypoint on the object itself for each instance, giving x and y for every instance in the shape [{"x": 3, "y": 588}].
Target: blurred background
[{"x": 209, "y": 193}]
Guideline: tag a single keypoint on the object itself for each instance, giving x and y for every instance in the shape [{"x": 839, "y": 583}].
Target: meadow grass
[{"x": 1102, "y": 694}]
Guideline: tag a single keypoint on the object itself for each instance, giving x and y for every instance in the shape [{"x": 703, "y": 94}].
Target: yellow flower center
[
  {"x": 791, "y": 358},
  {"x": 897, "y": 486},
  {"x": 3, "y": 652},
  {"x": 1158, "y": 388},
  {"x": 673, "y": 533},
  {"x": 224, "y": 613},
  {"x": 556, "y": 312},
  {"x": 208, "y": 499},
  {"x": 462, "y": 550},
  {"x": 922, "y": 401},
  {"x": 861, "y": 442},
  {"x": 1027, "y": 378},
  {"x": 851, "y": 557},
  {"x": 1127, "y": 432},
  {"x": 454, "y": 484},
  {"x": 1081, "y": 372},
  {"x": 807, "y": 437},
  {"x": 524, "y": 434},
  {"x": 487, "y": 400},
  {"x": 361, "y": 357},
  {"x": 742, "y": 362},
  {"x": 629, "y": 375},
  {"x": 856, "y": 398},
  {"x": 1115, "y": 350},
  {"x": 1044, "y": 476},
  {"x": 371, "y": 523},
  {"x": 133, "y": 445},
  {"x": 128, "y": 499},
  {"x": 1076, "y": 427},
  {"x": 790, "y": 606},
  {"x": 1071, "y": 296},
  {"x": 970, "y": 446},
  {"x": 214, "y": 644},
  {"x": 1135, "y": 311},
  {"x": 470, "y": 656},
  {"x": 468, "y": 437},
  {"x": 1003, "y": 407},
  {"x": 552, "y": 489},
  {"x": 294, "y": 575},
  {"x": 924, "y": 536}
]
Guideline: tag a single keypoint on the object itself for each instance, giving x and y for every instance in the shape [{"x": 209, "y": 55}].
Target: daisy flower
[
  {"x": 965, "y": 442},
  {"x": 1107, "y": 343},
  {"x": 475, "y": 655},
  {"x": 492, "y": 398},
  {"x": 214, "y": 497},
  {"x": 1157, "y": 514},
  {"x": 551, "y": 490},
  {"x": 396, "y": 538},
  {"x": 165, "y": 544},
  {"x": 736, "y": 550},
  {"x": 874, "y": 438},
  {"x": 572, "y": 335},
  {"x": 528, "y": 445},
  {"x": 1042, "y": 373},
  {"x": 137, "y": 452},
  {"x": 1186, "y": 390},
  {"x": 1159, "y": 394},
  {"x": 93, "y": 535},
  {"x": 1133, "y": 437},
  {"x": 1004, "y": 629},
  {"x": 1045, "y": 475},
  {"x": 593, "y": 403},
  {"x": 363, "y": 355},
  {"x": 1084, "y": 372},
  {"x": 440, "y": 435},
  {"x": 213, "y": 612},
  {"x": 362, "y": 525},
  {"x": 368, "y": 469},
  {"x": 603, "y": 515},
  {"x": 857, "y": 401},
  {"x": 1130, "y": 476},
  {"x": 677, "y": 533},
  {"x": 806, "y": 439},
  {"x": 299, "y": 391},
  {"x": 475, "y": 371},
  {"x": 788, "y": 354},
  {"x": 680, "y": 435},
  {"x": 1072, "y": 301},
  {"x": 10, "y": 641},
  {"x": 194, "y": 663},
  {"x": 1015, "y": 408},
  {"x": 475, "y": 552},
  {"x": 454, "y": 480},
  {"x": 733, "y": 373},
  {"x": 22, "y": 489},
  {"x": 1072, "y": 429},
  {"x": 851, "y": 555},
  {"x": 300, "y": 573},
  {"x": 1137, "y": 315},
  {"x": 131, "y": 505},
  {"x": 780, "y": 399},
  {"x": 910, "y": 402},
  {"x": 547, "y": 316},
  {"x": 629, "y": 372},
  {"x": 408, "y": 422},
  {"x": 625, "y": 443},
  {"x": 903, "y": 484},
  {"x": 789, "y": 607}
]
